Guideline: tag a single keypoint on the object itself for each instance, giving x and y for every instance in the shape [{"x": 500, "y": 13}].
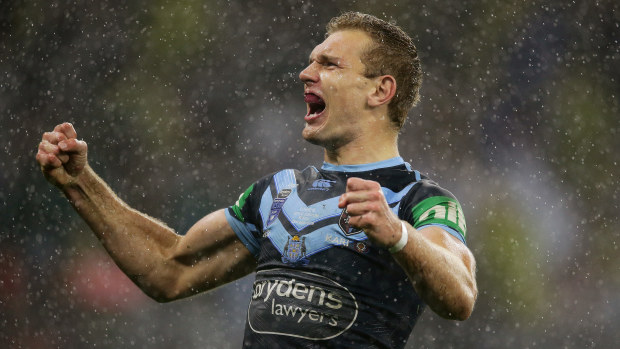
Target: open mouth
[{"x": 316, "y": 105}]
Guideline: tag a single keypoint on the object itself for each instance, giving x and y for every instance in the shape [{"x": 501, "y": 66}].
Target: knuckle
[
  {"x": 47, "y": 147},
  {"x": 353, "y": 180},
  {"x": 43, "y": 159},
  {"x": 373, "y": 207}
]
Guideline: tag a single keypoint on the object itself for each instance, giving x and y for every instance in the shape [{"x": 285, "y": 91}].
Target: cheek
[{"x": 348, "y": 90}]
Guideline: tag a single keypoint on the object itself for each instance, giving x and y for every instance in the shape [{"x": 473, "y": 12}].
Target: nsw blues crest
[{"x": 295, "y": 251}]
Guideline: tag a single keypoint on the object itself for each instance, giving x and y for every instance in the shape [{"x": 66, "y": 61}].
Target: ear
[{"x": 384, "y": 91}]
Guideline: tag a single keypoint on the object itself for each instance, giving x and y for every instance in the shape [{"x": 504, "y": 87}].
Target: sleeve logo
[
  {"x": 238, "y": 206},
  {"x": 440, "y": 210}
]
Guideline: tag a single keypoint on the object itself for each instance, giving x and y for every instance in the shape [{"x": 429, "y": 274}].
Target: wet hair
[{"x": 393, "y": 53}]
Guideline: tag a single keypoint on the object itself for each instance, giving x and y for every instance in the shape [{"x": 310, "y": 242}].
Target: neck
[{"x": 364, "y": 150}]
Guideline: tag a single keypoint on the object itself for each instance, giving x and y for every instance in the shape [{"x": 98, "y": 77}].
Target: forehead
[{"x": 343, "y": 44}]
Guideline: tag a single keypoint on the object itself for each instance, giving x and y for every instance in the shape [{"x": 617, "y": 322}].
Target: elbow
[
  {"x": 160, "y": 299},
  {"x": 171, "y": 290},
  {"x": 157, "y": 294},
  {"x": 465, "y": 306},
  {"x": 163, "y": 299},
  {"x": 164, "y": 284},
  {"x": 164, "y": 296},
  {"x": 462, "y": 308},
  {"x": 459, "y": 312},
  {"x": 463, "y": 313},
  {"x": 161, "y": 290}
]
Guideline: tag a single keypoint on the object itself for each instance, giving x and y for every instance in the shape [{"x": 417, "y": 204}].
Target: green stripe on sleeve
[
  {"x": 440, "y": 210},
  {"x": 241, "y": 202}
]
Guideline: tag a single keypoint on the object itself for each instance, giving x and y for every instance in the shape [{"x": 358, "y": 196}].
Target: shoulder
[{"x": 426, "y": 188}]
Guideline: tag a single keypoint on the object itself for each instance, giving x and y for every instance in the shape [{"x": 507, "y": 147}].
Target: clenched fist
[
  {"x": 61, "y": 155},
  {"x": 368, "y": 210}
]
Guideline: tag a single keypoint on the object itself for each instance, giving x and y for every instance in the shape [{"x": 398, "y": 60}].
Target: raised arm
[
  {"x": 441, "y": 268},
  {"x": 165, "y": 265}
]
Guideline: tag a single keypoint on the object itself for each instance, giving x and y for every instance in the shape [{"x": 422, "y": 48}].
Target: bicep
[
  {"x": 456, "y": 247},
  {"x": 211, "y": 255}
]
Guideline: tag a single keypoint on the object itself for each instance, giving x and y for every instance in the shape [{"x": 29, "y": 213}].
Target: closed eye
[{"x": 325, "y": 61}]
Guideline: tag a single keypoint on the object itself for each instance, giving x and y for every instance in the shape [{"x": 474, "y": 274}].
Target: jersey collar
[{"x": 365, "y": 167}]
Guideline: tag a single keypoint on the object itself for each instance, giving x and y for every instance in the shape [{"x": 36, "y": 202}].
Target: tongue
[{"x": 313, "y": 99}]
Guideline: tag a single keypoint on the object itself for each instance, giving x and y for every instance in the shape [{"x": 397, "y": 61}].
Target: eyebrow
[{"x": 323, "y": 57}]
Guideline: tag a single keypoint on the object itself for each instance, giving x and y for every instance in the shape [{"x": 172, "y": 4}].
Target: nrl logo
[
  {"x": 277, "y": 205},
  {"x": 344, "y": 224}
]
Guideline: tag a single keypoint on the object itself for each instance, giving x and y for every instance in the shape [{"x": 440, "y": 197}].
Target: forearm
[
  {"x": 441, "y": 277},
  {"x": 140, "y": 245}
]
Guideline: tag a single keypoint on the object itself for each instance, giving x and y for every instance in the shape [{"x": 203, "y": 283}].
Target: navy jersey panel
[{"x": 320, "y": 282}]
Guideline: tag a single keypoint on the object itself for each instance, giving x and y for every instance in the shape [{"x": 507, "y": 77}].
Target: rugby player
[{"x": 345, "y": 255}]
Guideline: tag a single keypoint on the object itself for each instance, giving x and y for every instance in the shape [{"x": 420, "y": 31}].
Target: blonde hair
[{"x": 393, "y": 53}]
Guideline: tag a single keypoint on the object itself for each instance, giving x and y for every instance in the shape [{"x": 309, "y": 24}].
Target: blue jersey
[{"x": 320, "y": 282}]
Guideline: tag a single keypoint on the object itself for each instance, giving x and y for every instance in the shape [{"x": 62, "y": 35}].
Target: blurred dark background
[{"x": 184, "y": 104}]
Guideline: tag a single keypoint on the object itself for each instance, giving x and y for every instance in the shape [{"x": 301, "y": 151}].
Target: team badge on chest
[
  {"x": 344, "y": 224},
  {"x": 295, "y": 251}
]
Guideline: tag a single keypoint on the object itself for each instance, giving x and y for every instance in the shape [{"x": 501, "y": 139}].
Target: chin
[
  {"x": 311, "y": 136},
  {"x": 315, "y": 137}
]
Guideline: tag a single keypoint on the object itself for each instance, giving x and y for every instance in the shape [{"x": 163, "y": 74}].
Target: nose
[{"x": 309, "y": 74}]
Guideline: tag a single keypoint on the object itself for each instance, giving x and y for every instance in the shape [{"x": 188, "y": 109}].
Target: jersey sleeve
[
  {"x": 427, "y": 204},
  {"x": 244, "y": 217}
]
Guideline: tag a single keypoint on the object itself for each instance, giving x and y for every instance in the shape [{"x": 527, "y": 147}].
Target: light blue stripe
[
  {"x": 323, "y": 210},
  {"x": 363, "y": 167},
  {"x": 392, "y": 197},
  {"x": 278, "y": 235},
  {"x": 395, "y": 209},
  {"x": 315, "y": 242},
  {"x": 244, "y": 232},
  {"x": 284, "y": 180},
  {"x": 327, "y": 208},
  {"x": 265, "y": 206}
]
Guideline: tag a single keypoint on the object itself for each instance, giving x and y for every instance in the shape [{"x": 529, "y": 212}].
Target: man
[{"x": 345, "y": 256}]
